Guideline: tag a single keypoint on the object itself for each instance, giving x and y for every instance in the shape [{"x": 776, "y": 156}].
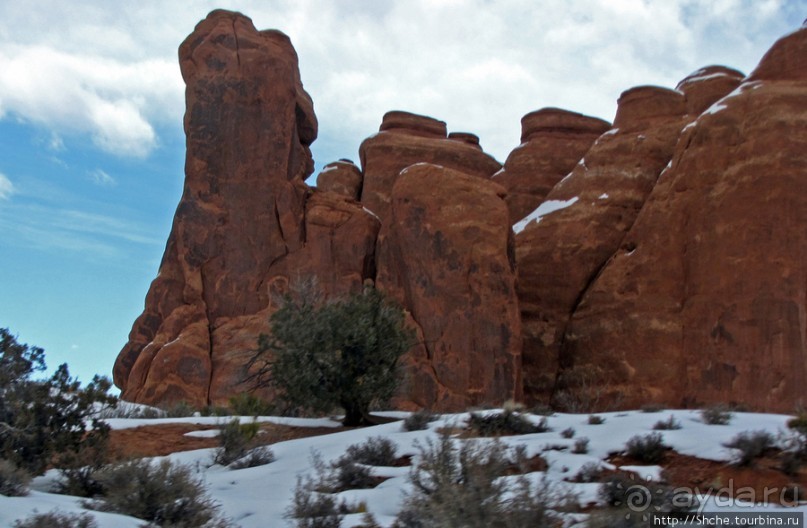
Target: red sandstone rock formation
[
  {"x": 583, "y": 221},
  {"x": 446, "y": 254},
  {"x": 341, "y": 177},
  {"x": 247, "y": 225},
  {"x": 405, "y": 139},
  {"x": 705, "y": 300},
  {"x": 636, "y": 283},
  {"x": 560, "y": 254},
  {"x": 707, "y": 85},
  {"x": 552, "y": 142},
  {"x": 243, "y": 224}
]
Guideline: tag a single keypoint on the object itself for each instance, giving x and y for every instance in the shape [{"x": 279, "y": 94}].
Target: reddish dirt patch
[
  {"x": 160, "y": 440},
  {"x": 760, "y": 482}
]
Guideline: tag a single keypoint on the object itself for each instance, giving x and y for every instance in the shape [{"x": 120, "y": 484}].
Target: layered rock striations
[
  {"x": 552, "y": 142},
  {"x": 705, "y": 300}
]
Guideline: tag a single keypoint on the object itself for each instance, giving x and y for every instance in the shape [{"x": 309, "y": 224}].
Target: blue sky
[{"x": 91, "y": 104}]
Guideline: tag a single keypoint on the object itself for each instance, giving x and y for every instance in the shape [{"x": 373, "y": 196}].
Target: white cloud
[
  {"x": 115, "y": 103},
  {"x": 102, "y": 178},
  {"x": 52, "y": 228},
  {"x": 480, "y": 65},
  {"x": 6, "y": 187}
]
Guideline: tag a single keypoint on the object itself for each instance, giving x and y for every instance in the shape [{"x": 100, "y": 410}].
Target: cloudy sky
[{"x": 91, "y": 104}]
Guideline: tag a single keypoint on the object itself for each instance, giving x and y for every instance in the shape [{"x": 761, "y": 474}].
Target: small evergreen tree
[
  {"x": 42, "y": 421},
  {"x": 339, "y": 353}
]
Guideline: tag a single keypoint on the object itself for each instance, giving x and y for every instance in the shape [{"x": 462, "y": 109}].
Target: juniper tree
[
  {"x": 343, "y": 352},
  {"x": 42, "y": 420}
]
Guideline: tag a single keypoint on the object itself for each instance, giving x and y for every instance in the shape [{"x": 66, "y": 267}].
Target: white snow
[
  {"x": 128, "y": 423},
  {"x": 565, "y": 178},
  {"x": 721, "y": 103},
  {"x": 421, "y": 163},
  {"x": 715, "y": 108},
  {"x": 603, "y": 196},
  {"x": 370, "y": 212},
  {"x": 257, "y": 497},
  {"x": 207, "y": 433},
  {"x": 549, "y": 206},
  {"x": 700, "y": 78},
  {"x": 604, "y": 135}
]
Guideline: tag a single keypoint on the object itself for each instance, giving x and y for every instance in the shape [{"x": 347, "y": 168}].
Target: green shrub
[
  {"x": 214, "y": 410},
  {"x": 347, "y": 474},
  {"x": 312, "y": 509},
  {"x": 247, "y": 404},
  {"x": 623, "y": 495},
  {"x": 567, "y": 433},
  {"x": 130, "y": 410},
  {"x": 257, "y": 456},
  {"x": 648, "y": 449},
  {"x": 798, "y": 424},
  {"x": 460, "y": 487},
  {"x": 341, "y": 353},
  {"x": 161, "y": 493},
  {"x": 181, "y": 409},
  {"x": 351, "y": 470},
  {"x": 57, "y": 519},
  {"x": 235, "y": 441},
  {"x": 716, "y": 415},
  {"x": 580, "y": 446},
  {"x": 368, "y": 521},
  {"x": 667, "y": 425},
  {"x": 375, "y": 451},
  {"x": 420, "y": 420},
  {"x": 589, "y": 472},
  {"x": 750, "y": 445},
  {"x": 505, "y": 422},
  {"x": 40, "y": 418},
  {"x": 13, "y": 480},
  {"x": 78, "y": 469},
  {"x": 542, "y": 409},
  {"x": 339, "y": 475}
]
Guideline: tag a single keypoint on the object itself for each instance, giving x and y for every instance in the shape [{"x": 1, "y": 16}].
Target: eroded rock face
[
  {"x": 339, "y": 252},
  {"x": 405, "y": 139},
  {"x": 243, "y": 218},
  {"x": 583, "y": 221},
  {"x": 707, "y": 85},
  {"x": 585, "y": 217},
  {"x": 552, "y": 142},
  {"x": 704, "y": 302},
  {"x": 446, "y": 255},
  {"x": 666, "y": 266},
  {"x": 341, "y": 177}
]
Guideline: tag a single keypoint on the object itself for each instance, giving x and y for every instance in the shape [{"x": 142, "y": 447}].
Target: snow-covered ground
[{"x": 257, "y": 497}]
